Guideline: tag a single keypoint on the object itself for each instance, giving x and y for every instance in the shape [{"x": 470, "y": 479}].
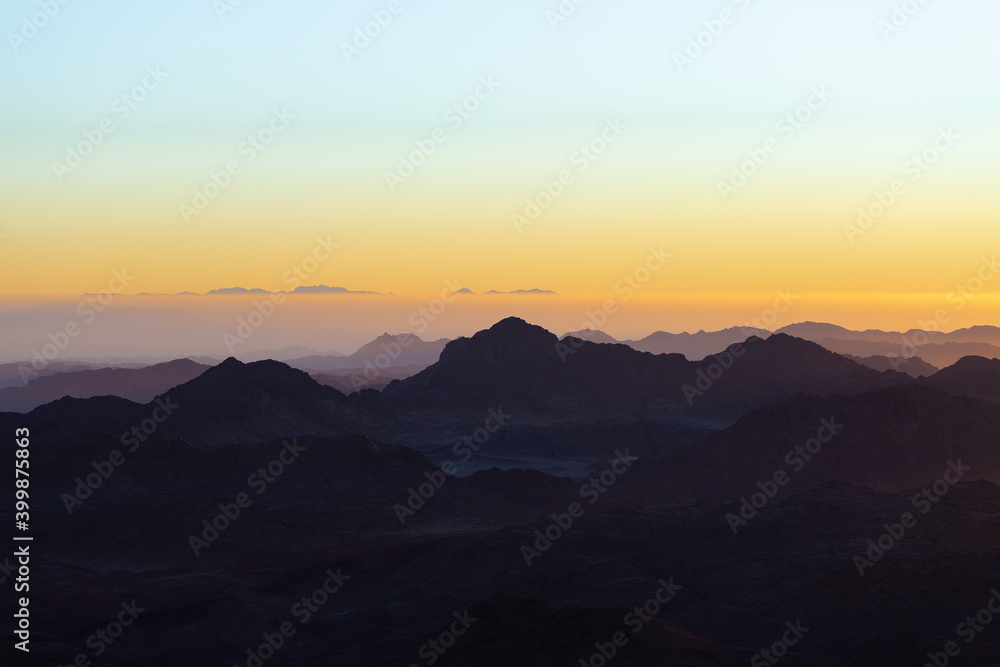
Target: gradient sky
[{"x": 657, "y": 184}]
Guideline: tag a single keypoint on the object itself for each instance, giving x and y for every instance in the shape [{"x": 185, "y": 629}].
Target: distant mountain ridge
[
  {"x": 303, "y": 289},
  {"x": 913, "y": 366},
  {"x": 140, "y": 385},
  {"x": 388, "y": 350}
]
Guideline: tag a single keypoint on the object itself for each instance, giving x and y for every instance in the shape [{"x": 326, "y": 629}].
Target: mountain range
[{"x": 598, "y": 481}]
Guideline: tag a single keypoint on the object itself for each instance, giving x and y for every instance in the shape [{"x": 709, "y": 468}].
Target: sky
[{"x": 199, "y": 144}]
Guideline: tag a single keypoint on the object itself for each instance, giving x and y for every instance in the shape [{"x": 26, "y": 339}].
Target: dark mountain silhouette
[
  {"x": 525, "y": 367},
  {"x": 522, "y": 369},
  {"x": 970, "y": 376},
  {"x": 891, "y": 439},
  {"x": 913, "y": 366},
  {"x": 139, "y": 385},
  {"x": 229, "y": 403},
  {"x": 772, "y": 369},
  {"x": 254, "y": 403},
  {"x": 71, "y": 420},
  {"x": 350, "y": 380}
]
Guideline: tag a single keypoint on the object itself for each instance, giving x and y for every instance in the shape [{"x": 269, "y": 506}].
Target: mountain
[
  {"x": 913, "y": 366},
  {"x": 323, "y": 289},
  {"x": 387, "y": 350},
  {"x": 350, "y": 380},
  {"x": 227, "y": 404},
  {"x": 303, "y": 289},
  {"x": 254, "y": 403},
  {"x": 937, "y": 348},
  {"x": 388, "y": 554},
  {"x": 976, "y": 334},
  {"x": 138, "y": 385},
  {"x": 697, "y": 345},
  {"x": 592, "y": 335},
  {"x": 970, "y": 376},
  {"x": 282, "y": 354},
  {"x": 522, "y": 291},
  {"x": 239, "y": 290},
  {"x": 780, "y": 366},
  {"x": 888, "y": 440},
  {"x": 816, "y": 331},
  {"x": 934, "y": 353},
  {"x": 18, "y": 373},
  {"x": 521, "y": 366},
  {"x": 69, "y": 421}
]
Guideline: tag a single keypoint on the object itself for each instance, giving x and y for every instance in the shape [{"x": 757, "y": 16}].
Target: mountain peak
[{"x": 976, "y": 363}]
